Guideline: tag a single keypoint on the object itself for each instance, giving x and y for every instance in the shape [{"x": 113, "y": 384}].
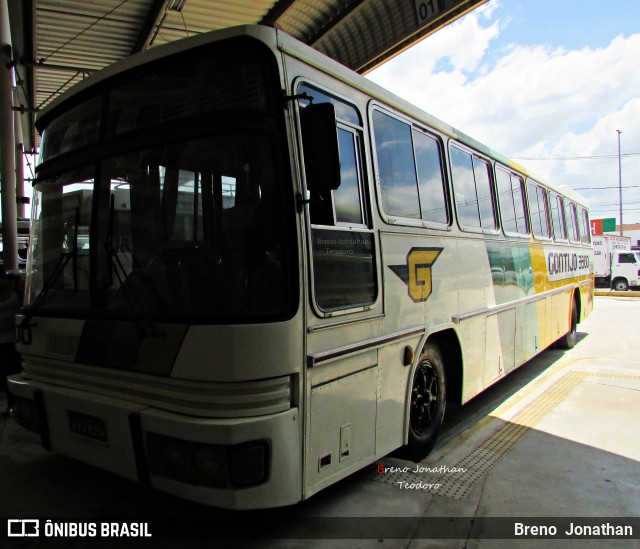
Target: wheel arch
[
  {"x": 577, "y": 297},
  {"x": 418, "y": 443},
  {"x": 449, "y": 345}
]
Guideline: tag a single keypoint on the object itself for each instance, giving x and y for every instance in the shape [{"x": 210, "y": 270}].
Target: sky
[{"x": 547, "y": 83}]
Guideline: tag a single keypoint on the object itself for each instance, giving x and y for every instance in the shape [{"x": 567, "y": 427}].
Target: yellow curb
[{"x": 607, "y": 293}]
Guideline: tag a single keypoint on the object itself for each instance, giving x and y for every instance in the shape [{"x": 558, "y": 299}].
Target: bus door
[{"x": 344, "y": 312}]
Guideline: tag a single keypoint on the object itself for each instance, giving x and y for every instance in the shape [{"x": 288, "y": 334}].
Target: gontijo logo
[
  {"x": 562, "y": 265},
  {"x": 416, "y": 274}
]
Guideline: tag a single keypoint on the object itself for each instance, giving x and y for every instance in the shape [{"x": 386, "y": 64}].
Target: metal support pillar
[
  {"x": 620, "y": 181},
  {"x": 20, "y": 198},
  {"x": 7, "y": 147}
]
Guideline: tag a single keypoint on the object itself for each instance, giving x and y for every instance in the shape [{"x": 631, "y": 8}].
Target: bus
[{"x": 253, "y": 272}]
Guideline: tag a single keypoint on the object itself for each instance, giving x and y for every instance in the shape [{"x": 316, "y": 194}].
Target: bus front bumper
[{"x": 239, "y": 463}]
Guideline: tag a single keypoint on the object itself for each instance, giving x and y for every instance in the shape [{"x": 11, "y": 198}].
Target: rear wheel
[
  {"x": 568, "y": 340},
  {"x": 428, "y": 399}
]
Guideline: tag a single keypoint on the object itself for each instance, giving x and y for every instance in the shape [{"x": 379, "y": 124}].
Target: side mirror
[{"x": 320, "y": 143}]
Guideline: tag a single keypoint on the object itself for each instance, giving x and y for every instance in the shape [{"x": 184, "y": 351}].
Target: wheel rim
[{"x": 424, "y": 398}]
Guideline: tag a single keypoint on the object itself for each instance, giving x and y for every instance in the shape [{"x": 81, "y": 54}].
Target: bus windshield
[{"x": 188, "y": 230}]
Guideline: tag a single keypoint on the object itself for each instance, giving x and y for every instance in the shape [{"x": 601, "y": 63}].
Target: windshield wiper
[{"x": 121, "y": 274}]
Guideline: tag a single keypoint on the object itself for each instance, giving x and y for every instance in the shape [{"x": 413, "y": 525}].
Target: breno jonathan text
[{"x": 573, "y": 530}]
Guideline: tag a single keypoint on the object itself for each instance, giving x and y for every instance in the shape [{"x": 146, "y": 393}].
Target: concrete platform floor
[{"x": 557, "y": 441}]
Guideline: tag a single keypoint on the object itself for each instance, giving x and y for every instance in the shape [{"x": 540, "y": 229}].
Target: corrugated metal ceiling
[{"x": 57, "y": 43}]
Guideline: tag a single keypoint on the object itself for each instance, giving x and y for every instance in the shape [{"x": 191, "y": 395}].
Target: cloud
[
  {"x": 598, "y": 178},
  {"x": 529, "y": 101},
  {"x": 420, "y": 62}
]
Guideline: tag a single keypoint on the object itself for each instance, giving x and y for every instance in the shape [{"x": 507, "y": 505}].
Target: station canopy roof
[{"x": 57, "y": 43}]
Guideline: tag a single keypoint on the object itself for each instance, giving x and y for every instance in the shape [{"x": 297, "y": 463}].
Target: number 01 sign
[{"x": 426, "y": 9}]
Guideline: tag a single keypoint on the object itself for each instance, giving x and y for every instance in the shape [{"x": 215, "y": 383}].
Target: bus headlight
[
  {"x": 209, "y": 461},
  {"x": 173, "y": 454},
  {"x": 248, "y": 464},
  {"x": 26, "y": 414},
  {"x": 215, "y": 465}
]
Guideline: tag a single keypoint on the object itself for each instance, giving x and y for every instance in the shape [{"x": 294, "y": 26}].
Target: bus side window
[
  {"x": 473, "y": 192},
  {"x": 571, "y": 217},
  {"x": 512, "y": 203},
  {"x": 342, "y": 243},
  {"x": 345, "y": 204},
  {"x": 396, "y": 166},
  {"x": 557, "y": 216},
  {"x": 431, "y": 184},
  {"x": 482, "y": 175},
  {"x": 348, "y": 197},
  {"x": 585, "y": 227},
  {"x": 517, "y": 186},
  {"x": 464, "y": 188},
  {"x": 538, "y": 210},
  {"x": 507, "y": 209}
]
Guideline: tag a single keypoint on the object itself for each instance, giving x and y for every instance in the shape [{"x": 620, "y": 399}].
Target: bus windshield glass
[{"x": 162, "y": 209}]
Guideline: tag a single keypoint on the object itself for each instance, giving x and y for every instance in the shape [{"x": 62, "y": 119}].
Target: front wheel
[
  {"x": 428, "y": 399},
  {"x": 620, "y": 285}
]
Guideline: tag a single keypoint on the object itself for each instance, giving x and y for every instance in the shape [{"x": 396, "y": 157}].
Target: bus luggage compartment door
[{"x": 342, "y": 419}]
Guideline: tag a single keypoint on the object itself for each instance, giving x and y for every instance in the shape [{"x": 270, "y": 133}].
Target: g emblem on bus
[{"x": 416, "y": 274}]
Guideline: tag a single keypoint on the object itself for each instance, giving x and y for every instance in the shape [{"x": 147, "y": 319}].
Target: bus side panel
[
  {"x": 556, "y": 267},
  {"x": 341, "y": 429},
  {"x": 498, "y": 344},
  {"x": 527, "y": 340},
  {"x": 586, "y": 300},
  {"x": 429, "y": 279}
]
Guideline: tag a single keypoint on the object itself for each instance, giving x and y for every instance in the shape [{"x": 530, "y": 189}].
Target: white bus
[{"x": 253, "y": 272}]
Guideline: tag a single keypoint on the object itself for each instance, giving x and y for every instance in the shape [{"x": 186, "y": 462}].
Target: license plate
[{"x": 90, "y": 427}]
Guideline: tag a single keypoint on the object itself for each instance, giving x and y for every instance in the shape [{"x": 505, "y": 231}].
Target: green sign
[{"x": 609, "y": 225}]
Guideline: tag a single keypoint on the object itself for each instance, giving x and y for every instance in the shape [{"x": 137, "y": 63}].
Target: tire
[
  {"x": 427, "y": 405},
  {"x": 568, "y": 341},
  {"x": 620, "y": 285}
]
